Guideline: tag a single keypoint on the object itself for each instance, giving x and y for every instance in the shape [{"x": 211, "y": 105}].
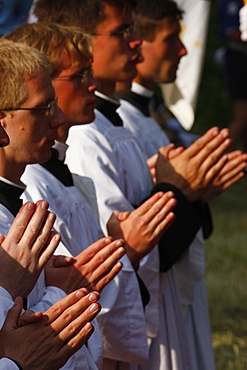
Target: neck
[
  {"x": 11, "y": 171},
  {"x": 145, "y": 82},
  {"x": 107, "y": 88}
]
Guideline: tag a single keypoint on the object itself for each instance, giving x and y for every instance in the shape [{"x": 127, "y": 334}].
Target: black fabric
[
  {"x": 139, "y": 101},
  {"x": 206, "y": 218},
  {"x": 59, "y": 169},
  {"x": 108, "y": 109},
  {"x": 10, "y": 197},
  {"x": 143, "y": 290},
  {"x": 178, "y": 237}
]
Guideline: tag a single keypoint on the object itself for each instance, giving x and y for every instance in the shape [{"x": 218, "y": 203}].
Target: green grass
[{"x": 226, "y": 250}]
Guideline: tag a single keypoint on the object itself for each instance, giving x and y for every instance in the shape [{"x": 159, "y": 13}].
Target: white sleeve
[{"x": 7, "y": 364}]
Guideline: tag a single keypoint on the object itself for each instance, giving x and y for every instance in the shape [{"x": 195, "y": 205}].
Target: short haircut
[
  {"x": 18, "y": 64},
  {"x": 149, "y": 13},
  {"x": 86, "y": 14},
  {"x": 55, "y": 41}
]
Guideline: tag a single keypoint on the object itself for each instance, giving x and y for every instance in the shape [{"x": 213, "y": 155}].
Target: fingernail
[
  {"x": 119, "y": 243},
  {"x": 44, "y": 205},
  {"x": 93, "y": 297},
  {"x": 121, "y": 250},
  {"x": 88, "y": 326},
  {"x": 79, "y": 294},
  {"x": 93, "y": 308},
  {"x": 30, "y": 205}
]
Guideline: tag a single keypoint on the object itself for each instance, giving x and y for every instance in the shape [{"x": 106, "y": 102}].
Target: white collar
[{"x": 141, "y": 90}]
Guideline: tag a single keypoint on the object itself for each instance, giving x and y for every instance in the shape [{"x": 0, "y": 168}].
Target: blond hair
[
  {"x": 55, "y": 41},
  {"x": 18, "y": 63}
]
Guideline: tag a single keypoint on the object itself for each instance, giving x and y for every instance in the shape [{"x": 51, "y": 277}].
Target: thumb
[
  {"x": 63, "y": 261},
  {"x": 122, "y": 216},
  {"x": 14, "y": 313}
]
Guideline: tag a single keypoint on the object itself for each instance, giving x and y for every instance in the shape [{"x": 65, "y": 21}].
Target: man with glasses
[
  {"x": 75, "y": 86},
  {"x": 32, "y": 340}
]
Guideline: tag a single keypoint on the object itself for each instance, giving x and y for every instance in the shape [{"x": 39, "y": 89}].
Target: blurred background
[{"x": 226, "y": 250}]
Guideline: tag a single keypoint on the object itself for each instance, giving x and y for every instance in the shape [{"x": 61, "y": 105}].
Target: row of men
[{"x": 119, "y": 180}]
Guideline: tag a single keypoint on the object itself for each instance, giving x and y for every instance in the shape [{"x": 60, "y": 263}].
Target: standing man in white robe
[
  {"x": 74, "y": 86},
  {"x": 31, "y": 119},
  {"x": 162, "y": 50}
]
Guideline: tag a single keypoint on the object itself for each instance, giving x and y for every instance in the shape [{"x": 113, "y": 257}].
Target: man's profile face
[
  {"x": 32, "y": 133},
  {"x": 76, "y": 93},
  {"x": 162, "y": 55},
  {"x": 115, "y": 56}
]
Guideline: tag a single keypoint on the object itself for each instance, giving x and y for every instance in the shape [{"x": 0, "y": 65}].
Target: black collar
[
  {"x": 139, "y": 101},
  {"x": 108, "y": 109},
  {"x": 58, "y": 169},
  {"x": 10, "y": 197}
]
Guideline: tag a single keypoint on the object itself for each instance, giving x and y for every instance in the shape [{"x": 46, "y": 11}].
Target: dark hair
[
  {"x": 80, "y": 13},
  {"x": 149, "y": 13}
]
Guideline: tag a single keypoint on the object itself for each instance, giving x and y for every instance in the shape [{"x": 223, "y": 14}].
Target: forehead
[
  {"x": 168, "y": 27},
  {"x": 39, "y": 87},
  {"x": 115, "y": 16}
]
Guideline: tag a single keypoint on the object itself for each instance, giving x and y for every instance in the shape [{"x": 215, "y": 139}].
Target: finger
[
  {"x": 163, "y": 226},
  {"x": 63, "y": 261},
  {"x": 157, "y": 207},
  {"x": 72, "y": 312},
  {"x": 214, "y": 156},
  {"x": 49, "y": 249},
  {"x": 161, "y": 214},
  {"x": 45, "y": 233},
  {"x": 165, "y": 150},
  {"x": 231, "y": 181},
  {"x": 233, "y": 166},
  {"x": 77, "y": 341},
  {"x": 195, "y": 148},
  {"x": 20, "y": 222},
  {"x": 103, "y": 261},
  {"x": 110, "y": 276},
  {"x": 93, "y": 249},
  {"x": 29, "y": 317},
  {"x": 13, "y": 314},
  {"x": 121, "y": 216},
  {"x": 145, "y": 207},
  {"x": 58, "y": 308},
  {"x": 36, "y": 223},
  {"x": 175, "y": 152},
  {"x": 73, "y": 327},
  {"x": 215, "y": 170},
  {"x": 2, "y": 238}
]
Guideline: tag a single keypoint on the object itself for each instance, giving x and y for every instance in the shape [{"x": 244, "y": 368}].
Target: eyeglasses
[
  {"x": 51, "y": 107},
  {"x": 123, "y": 33},
  {"x": 83, "y": 76}
]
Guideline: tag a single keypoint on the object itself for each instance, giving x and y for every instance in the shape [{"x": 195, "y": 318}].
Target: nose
[
  {"x": 4, "y": 139},
  {"x": 93, "y": 84},
  {"x": 182, "y": 51},
  {"x": 58, "y": 119},
  {"x": 135, "y": 39}
]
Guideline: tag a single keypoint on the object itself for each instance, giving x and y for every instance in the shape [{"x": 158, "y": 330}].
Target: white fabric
[
  {"x": 119, "y": 319},
  {"x": 6, "y": 364},
  {"x": 184, "y": 286},
  {"x": 112, "y": 158},
  {"x": 243, "y": 22},
  {"x": 145, "y": 130},
  {"x": 40, "y": 299}
]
